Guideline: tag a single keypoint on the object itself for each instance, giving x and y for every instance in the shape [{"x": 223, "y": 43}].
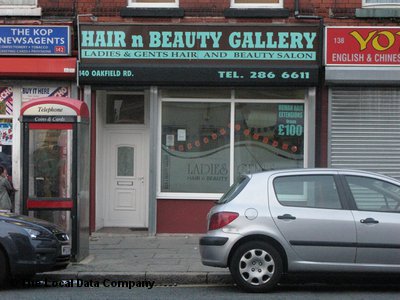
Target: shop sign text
[
  {"x": 160, "y": 54},
  {"x": 35, "y": 40},
  {"x": 362, "y": 46},
  {"x": 210, "y": 45}
]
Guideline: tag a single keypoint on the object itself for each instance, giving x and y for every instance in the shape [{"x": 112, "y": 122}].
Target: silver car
[{"x": 317, "y": 220}]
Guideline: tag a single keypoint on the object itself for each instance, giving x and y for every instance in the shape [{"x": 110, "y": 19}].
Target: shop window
[
  {"x": 268, "y": 136},
  {"x": 153, "y": 3},
  {"x": 206, "y": 145},
  {"x": 195, "y": 147},
  {"x": 6, "y": 100},
  {"x": 125, "y": 109},
  {"x": 380, "y": 3},
  {"x": 6, "y": 140},
  {"x": 256, "y": 3},
  {"x": 6, "y": 129},
  {"x": 19, "y": 8},
  {"x": 271, "y": 93},
  {"x": 202, "y": 93}
]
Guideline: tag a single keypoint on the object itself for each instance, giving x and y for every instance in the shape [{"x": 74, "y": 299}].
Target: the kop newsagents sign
[
  {"x": 38, "y": 40},
  {"x": 362, "y": 46},
  {"x": 196, "y": 54}
]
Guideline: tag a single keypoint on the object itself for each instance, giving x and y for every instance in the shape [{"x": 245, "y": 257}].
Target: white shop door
[{"x": 125, "y": 177}]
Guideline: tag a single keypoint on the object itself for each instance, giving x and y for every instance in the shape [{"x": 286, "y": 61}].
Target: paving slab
[{"x": 164, "y": 259}]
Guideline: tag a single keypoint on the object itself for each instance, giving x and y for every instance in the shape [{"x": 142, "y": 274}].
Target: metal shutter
[{"x": 365, "y": 129}]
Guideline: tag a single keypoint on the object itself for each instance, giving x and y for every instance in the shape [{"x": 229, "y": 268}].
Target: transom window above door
[{"x": 125, "y": 109}]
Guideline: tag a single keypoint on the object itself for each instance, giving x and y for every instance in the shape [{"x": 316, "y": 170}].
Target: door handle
[
  {"x": 369, "y": 221},
  {"x": 287, "y": 217}
]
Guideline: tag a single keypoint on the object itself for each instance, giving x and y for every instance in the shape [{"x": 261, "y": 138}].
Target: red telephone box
[{"x": 55, "y": 174}]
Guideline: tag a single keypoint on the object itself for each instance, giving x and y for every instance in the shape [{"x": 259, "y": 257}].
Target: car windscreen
[{"x": 234, "y": 190}]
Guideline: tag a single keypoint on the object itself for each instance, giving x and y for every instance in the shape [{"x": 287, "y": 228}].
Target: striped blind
[{"x": 365, "y": 129}]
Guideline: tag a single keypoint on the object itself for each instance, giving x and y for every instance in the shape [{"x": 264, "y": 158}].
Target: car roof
[{"x": 322, "y": 171}]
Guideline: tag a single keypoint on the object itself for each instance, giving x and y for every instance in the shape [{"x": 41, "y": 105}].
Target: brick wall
[{"x": 333, "y": 12}]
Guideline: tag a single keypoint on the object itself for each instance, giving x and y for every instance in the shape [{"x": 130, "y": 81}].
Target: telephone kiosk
[{"x": 55, "y": 169}]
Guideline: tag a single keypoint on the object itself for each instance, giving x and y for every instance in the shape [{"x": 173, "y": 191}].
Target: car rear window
[{"x": 234, "y": 190}]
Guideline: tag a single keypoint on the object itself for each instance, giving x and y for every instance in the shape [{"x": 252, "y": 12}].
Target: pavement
[{"x": 164, "y": 259}]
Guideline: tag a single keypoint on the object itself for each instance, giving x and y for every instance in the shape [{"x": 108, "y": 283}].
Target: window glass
[
  {"x": 234, "y": 190},
  {"x": 265, "y": 3},
  {"x": 207, "y": 145},
  {"x": 378, "y": 3},
  {"x": 125, "y": 161},
  {"x": 198, "y": 92},
  {"x": 318, "y": 191},
  {"x": 6, "y": 100},
  {"x": 268, "y": 136},
  {"x": 50, "y": 163},
  {"x": 125, "y": 109},
  {"x": 6, "y": 133},
  {"x": 373, "y": 194},
  {"x": 269, "y": 93},
  {"x": 6, "y": 141},
  {"x": 195, "y": 147}
]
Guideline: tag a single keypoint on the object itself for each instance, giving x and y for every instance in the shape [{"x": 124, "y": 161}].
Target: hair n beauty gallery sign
[{"x": 199, "y": 54}]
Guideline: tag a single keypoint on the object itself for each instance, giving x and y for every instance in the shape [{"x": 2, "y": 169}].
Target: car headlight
[
  {"x": 34, "y": 234},
  {"x": 33, "y": 231}
]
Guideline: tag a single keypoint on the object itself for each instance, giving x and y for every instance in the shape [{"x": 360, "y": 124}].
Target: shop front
[
  {"x": 363, "y": 74},
  {"x": 183, "y": 110},
  {"x": 35, "y": 62}
]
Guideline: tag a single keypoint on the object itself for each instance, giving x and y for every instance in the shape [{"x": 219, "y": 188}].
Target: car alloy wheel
[{"x": 256, "y": 266}]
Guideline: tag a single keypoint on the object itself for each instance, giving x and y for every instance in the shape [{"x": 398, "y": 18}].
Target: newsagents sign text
[
  {"x": 38, "y": 40},
  {"x": 230, "y": 47}
]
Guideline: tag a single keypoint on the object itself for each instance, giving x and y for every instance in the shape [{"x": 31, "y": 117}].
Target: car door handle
[
  {"x": 287, "y": 217},
  {"x": 369, "y": 221}
]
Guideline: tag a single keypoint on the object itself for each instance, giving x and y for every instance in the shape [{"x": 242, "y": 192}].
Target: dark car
[{"x": 29, "y": 246}]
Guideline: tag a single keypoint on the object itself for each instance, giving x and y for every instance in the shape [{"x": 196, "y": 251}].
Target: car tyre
[
  {"x": 256, "y": 266},
  {"x": 4, "y": 271}
]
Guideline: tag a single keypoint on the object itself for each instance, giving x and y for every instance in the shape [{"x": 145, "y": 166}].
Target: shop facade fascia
[
  {"x": 205, "y": 76},
  {"x": 363, "y": 75},
  {"x": 36, "y": 62}
]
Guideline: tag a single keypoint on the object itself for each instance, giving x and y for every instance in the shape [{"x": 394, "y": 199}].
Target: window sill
[
  {"x": 25, "y": 12},
  {"x": 377, "y": 13},
  {"x": 152, "y": 12},
  {"x": 256, "y": 13}
]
